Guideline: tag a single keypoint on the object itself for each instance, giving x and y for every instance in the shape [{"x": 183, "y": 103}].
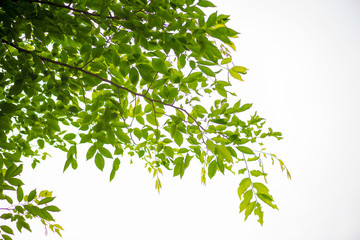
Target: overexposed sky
[{"x": 304, "y": 78}]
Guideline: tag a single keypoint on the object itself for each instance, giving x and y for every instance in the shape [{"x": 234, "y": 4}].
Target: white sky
[{"x": 304, "y": 77}]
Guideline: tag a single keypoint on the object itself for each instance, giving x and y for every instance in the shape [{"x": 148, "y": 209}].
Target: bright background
[{"x": 304, "y": 77}]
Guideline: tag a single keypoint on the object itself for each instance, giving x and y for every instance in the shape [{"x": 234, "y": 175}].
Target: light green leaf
[
  {"x": 99, "y": 161},
  {"x": 235, "y": 75},
  {"x": 105, "y": 152},
  {"x": 245, "y": 107},
  {"x": 249, "y": 209},
  {"x": 178, "y": 138},
  {"x": 257, "y": 173},
  {"x": 212, "y": 169},
  {"x": 239, "y": 69},
  {"x": 169, "y": 151},
  {"x": 225, "y": 153},
  {"x": 258, "y": 211},
  {"x": 159, "y": 65},
  {"x": 115, "y": 167},
  {"x": 245, "y": 150},
  {"x": 91, "y": 152},
  {"x": 210, "y": 145},
  {"x": 226, "y": 60},
  {"x": 69, "y": 136},
  {"x": 247, "y": 198},
  {"x": 267, "y": 199},
  {"x": 243, "y": 186},
  {"x": 211, "y": 20},
  {"x": 204, "y": 3},
  {"x": 207, "y": 71}
]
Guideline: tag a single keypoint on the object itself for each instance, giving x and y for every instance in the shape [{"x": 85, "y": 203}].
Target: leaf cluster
[{"x": 126, "y": 79}]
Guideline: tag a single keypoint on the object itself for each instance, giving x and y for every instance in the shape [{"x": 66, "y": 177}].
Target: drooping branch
[{"x": 107, "y": 81}]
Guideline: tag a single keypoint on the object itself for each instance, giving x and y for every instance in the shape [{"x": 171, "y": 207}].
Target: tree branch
[
  {"x": 106, "y": 80},
  {"x": 72, "y": 9}
]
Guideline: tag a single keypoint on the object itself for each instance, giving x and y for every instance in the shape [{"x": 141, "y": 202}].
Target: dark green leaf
[
  {"x": 46, "y": 200},
  {"x": 52, "y": 208},
  {"x": 7, "y": 229},
  {"x": 134, "y": 76},
  {"x": 19, "y": 194},
  {"x": 32, "y": 195}
]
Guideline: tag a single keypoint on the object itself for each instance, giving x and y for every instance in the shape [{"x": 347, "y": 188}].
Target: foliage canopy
[{"x": 128, "y": 79}]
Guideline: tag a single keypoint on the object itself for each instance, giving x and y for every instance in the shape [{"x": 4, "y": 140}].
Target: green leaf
[
  {"x": 267, "y": 199},
  {"x": 207, "y": 71},
  {"x": 7, "y": 229},
  {"x": 235, "y": 75},
  {"x": 125, "y": 69},
  {"x": 245, "y": 150},
  {"x": 53, "y": 124},
  {"x": 91, "y": 152},
  {"x": 134, "y": 76},
  {"x": 19, "y": 194},
  {"x": 146, "y": 71},
  {"x": 239, "y": 69},
  {"x": 261, "y": 188},
  {"x": 7, "y": 107},
  {"x": 159, "y": 65},
  {"x": 249, "y": 209},
  {"x": 151, "y": 119},
  {"x": 6, "y": 237},
  {"x": 69, "y": 136},
  {"x": 226, "y": 60},
  {"x": 221, "y": 165},
  {"x": 212, "y": 169},
  {"x": 105, "y": 152},
  {"x": 245, "y": 107},
  {"x": 257, "y": 173},
  {"x": 115, "y": 167},
  {"x": 52, "y": 209},
  {"x": 258, "y": 211},
  {"x": 178, "y": 138},
  {"x": 225, "y": 153},
  {"x": 210, "y": 145},
  {"x": 169, "y": 151},
  {"x": 204, "y": 3},
  {"x": 211, "y": 20},
  {"x": 247, "y": 198},
  {"x": 46, "y": 200},
  {"x": 32, "y": 195},
  {"x": 99, "y": 161},
  {"x": 243, "y": 186},
  {"x": 122, "y": 136}
]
